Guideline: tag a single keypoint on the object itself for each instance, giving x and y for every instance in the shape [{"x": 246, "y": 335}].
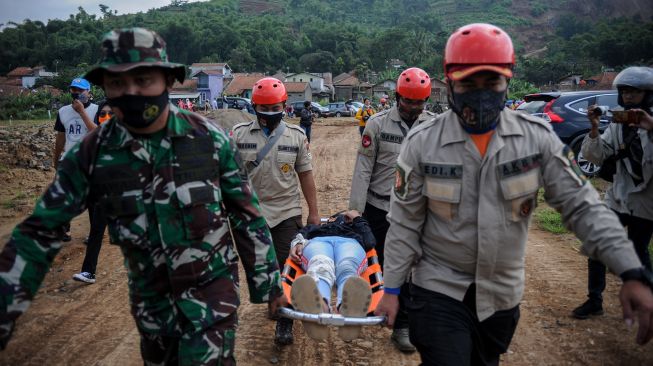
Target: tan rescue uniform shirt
[
  {"x": 457, "y": 219},
  {"x": 374, "y": 173},
  {"x": 275, "y": 180}
]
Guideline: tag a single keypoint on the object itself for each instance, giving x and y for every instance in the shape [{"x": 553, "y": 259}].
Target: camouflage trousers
[{"x": 213, "y": 346}]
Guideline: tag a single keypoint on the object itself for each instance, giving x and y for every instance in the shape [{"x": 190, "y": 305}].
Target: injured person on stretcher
[{"x": 341, "y": 253}]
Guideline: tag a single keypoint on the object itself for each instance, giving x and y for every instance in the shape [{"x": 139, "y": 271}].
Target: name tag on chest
[
  {"x": 286, "y": 148},
  {"x": 519, "y": 166},
  {"x": 389, "y": 137},
  {"x": 246, "y": 146},
  {"x": 445, "y": 171}
]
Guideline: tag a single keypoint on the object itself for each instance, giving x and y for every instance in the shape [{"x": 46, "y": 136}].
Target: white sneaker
[{"x": 84, "y": 277}]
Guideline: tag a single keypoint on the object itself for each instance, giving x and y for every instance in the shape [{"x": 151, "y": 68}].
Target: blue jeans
[
  {"x": 307, "y": 130},
  {"x": 348, "y": 255}
]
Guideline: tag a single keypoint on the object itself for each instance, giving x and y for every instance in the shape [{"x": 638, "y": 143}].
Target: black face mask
[
  {"x": 269, "y": 120},
  {"x": 478, "y": 110},
  {"x": 140, "y": 111},
  {"x": 408, "y": 115}
]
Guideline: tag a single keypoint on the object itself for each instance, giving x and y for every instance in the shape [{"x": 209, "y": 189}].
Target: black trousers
[
  {"x": 282, "y": 235},
  {"x": 380, "y": 225},
  {"x": 639, "y": 232},
  {"x": 447, "y": 332},
  {"x": 95, "y": 235}
]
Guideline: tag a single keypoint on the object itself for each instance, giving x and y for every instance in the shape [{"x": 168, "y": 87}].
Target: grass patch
[{"x": 549, "y": 219}]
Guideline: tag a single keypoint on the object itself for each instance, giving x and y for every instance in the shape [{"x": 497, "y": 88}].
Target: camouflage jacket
[{"x": 169, "y": 208}]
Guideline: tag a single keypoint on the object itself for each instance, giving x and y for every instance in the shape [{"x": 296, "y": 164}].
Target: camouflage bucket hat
[{"x": 129, "y": 48}]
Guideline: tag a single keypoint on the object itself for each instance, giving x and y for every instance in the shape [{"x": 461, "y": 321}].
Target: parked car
[
  {"x": 354, "y": 106},
  {"x": 567, "y": 114},
  {"x": 339, "y": 109},
  {"x": 237, "y": 103},
  {"x": 315, "y": 108}
]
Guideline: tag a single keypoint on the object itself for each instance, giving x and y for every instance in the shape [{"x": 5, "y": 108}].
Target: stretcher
[{"x": 372, "y": 275}]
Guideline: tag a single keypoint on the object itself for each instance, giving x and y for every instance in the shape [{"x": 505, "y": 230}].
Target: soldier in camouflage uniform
[{"x": 171, "y": 184}]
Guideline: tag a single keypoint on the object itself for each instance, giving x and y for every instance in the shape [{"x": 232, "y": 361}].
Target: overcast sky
[{"x": 19, "y": 10}]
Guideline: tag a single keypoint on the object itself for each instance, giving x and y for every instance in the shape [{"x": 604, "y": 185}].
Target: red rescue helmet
[
  {"x": 268, "y": 91},
  {"x": 414, "y": 83},
  {"x": 478, "y": 47}
]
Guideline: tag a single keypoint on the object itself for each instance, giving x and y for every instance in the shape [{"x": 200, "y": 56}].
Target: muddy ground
[{"x": 74, "y": 324}]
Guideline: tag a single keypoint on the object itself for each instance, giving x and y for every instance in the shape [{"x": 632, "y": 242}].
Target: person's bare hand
[
  {"x": 78, "y": 106},
  {"x": 645, "y": 120},
  {"x": 296, "y": 253},
  {"x": 351, "y": 215},
  {"x": 593, "y": 116},
  {"x": 277, "y": 303},
  {"x": 388, "y": 306},
  {"x": 637, "y": 302},
  {"x": 313, "y": 219}
]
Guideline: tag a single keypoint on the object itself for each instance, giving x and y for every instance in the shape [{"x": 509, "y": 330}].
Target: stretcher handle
[{"x": 331, "y": 319}]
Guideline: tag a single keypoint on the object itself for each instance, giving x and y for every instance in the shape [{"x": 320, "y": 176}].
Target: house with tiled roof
[
  {"x": 185, "y": 90},
  {"x": 28, "y": 75},
  {"x": 298, "y": 91},
  {"x": 347, "y": 86},
  {"x": 241, "y": 84},
  {"x": 601, "y": 81}
]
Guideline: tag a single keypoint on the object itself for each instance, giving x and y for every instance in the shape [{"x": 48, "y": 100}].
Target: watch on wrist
[{"x": 640, "y": 274}]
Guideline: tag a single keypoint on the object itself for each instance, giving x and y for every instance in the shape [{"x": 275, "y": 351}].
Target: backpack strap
[{"x": 278, "y": 132}]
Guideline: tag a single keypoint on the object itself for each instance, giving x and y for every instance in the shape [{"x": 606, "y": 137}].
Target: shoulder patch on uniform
[
  {"x": 568, "y": 159},
  {"x": 366, "y": 141},
  {"x": 402, "y": 180}
]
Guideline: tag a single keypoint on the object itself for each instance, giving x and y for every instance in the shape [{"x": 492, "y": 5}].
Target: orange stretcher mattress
[{"x": 372, "y": 275}]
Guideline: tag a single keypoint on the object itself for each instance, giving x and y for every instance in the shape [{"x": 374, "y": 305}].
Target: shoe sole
[
  {"x": 90, "y": 282},
  {"x": 356, "y": 297},
  {"x": 307, "y": 299}
]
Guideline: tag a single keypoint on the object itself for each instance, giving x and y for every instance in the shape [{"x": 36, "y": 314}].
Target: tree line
[{"x": 336, "y": 36}]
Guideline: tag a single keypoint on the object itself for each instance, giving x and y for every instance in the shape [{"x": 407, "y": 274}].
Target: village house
[
  {"x": 28, "y": 75},
  {"x": 298, "y": 91},
  {"x": 347, "y": 87},
  {"x": 321, "y": 84},
  {"x": 211, "y": 79},
  {"x": 241, "y": 84}
]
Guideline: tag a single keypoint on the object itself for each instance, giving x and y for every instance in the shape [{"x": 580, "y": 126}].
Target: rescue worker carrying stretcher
[
  {"x": 466, "y": 185},
  {"x": 277, "y": 158},
  {"x": 374, "y": 173}
]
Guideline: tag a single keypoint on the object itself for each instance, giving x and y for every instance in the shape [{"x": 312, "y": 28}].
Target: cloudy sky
[{"x": 18, "y": 10}]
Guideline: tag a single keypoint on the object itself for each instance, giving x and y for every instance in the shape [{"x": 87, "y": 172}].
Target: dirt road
[{"x": 74, "y": 324}]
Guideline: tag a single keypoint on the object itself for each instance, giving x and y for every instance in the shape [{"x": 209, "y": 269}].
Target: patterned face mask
[
  {"x": 479, "y": 110},
  {"x": 139, "y": 111}
]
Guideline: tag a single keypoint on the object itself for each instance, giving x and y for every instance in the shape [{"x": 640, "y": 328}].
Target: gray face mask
[{"x": 479, "y": 110}]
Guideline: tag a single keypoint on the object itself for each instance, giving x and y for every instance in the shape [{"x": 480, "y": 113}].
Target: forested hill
[{"x": 343, "y": 35}]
